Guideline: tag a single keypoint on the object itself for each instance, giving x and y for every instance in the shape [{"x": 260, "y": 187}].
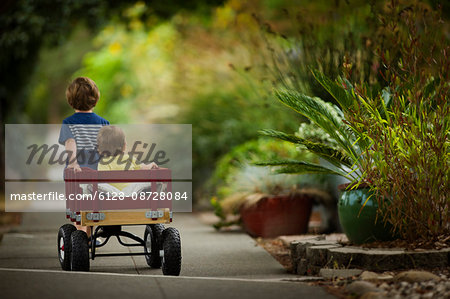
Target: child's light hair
[
  {"x": 110, "y": 141},
  {"x": 82, "y": 94}
]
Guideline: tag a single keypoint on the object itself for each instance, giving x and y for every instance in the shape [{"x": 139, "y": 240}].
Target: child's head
[
  {"x": 111, "y": 141},
  {"x": 82, "y": 94}
]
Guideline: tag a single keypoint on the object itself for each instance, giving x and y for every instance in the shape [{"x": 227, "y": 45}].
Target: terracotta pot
[
  {"x": 358, "y": 224},
  {"x": 277, "y": 215}
]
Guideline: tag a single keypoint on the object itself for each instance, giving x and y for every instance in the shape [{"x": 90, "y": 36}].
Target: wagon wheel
[
  {"x": 171, "y": 260},
  {"x": 152, "y": 241},
  {"x": 64, "y": 245},
  {"x": 80, "y": 251}
]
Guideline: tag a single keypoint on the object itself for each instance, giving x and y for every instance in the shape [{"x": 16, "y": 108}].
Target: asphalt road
[{"x": 214, "y": 265}]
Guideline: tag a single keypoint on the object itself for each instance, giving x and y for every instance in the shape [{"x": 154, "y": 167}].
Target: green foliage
[
  {"x": 229, "y": 115},
  {"x": 315, "y": 134},
  {"x": 410, "y": 165},
  {"x": 46, "y": 90},
  {"x": 296, "y": 167},
  {"x": 395, "y": 115},
  {"x": 122, "y": 77},
  {"x": 322, "y": 150},
  {"x": 29, "y": 26},
  {"x": 321, "y": 35},
  {"x": 358, "y": 38},
  {"x": 328, "y": 117},
  {"x": 408, "y": 126},
  {"x": 349, "y": 155},
  {"x": 398, "y": 137}
]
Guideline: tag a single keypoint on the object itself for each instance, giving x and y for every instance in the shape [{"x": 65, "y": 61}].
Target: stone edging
[{"x": 310, "y": 255}]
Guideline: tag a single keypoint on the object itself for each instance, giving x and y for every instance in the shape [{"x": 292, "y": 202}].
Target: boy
[
  {"x": 79, "y": 131},
  {"x": 112, "y": 149}
]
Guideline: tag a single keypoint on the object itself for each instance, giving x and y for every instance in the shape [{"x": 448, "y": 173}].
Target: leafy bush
[
  {"x": 410, "y": 164},
  {"x": 410, "y": 145}
]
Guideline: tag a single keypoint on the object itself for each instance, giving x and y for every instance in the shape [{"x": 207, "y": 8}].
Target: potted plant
[
  {"x": 266, "y": 205},
  {"x": 270, "y": 205},
  {"x": 349, "y": 155}
]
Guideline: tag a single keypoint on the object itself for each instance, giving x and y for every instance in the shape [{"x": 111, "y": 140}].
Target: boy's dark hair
[
  {"x": 82, "y": 94},
  {"x": 110, "y": 141}
]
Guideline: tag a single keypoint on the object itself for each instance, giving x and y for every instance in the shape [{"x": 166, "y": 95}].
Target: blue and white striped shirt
[{"x": 83, "y": 128}]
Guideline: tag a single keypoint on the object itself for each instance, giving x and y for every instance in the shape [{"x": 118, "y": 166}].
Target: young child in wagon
[{"x": 112, "y": 148}]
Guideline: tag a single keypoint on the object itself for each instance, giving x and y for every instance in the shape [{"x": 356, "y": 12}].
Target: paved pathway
[{"x": 219, "y": 265}]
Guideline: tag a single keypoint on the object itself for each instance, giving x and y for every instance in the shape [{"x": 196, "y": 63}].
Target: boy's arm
[{"x": 71, "y": 148}]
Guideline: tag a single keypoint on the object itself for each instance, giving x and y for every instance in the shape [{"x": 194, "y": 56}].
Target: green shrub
[{"x": 410, "y": 139}]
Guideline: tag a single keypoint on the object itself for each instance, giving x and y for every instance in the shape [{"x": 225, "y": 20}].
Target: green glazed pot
[{"x": 359, "y": 227}]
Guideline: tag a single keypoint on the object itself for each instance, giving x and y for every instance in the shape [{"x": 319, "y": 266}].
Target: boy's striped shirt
[{"x": 83, "y": 128}]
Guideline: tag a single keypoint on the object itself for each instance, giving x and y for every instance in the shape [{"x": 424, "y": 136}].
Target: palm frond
[
  {"x": 335, "y": 90},
  {"x": 281, "y": 135},
  {"x": 335, "y": 157},
  {"x": 318, "y": 112},
  {"x": 299, "y": 167}
]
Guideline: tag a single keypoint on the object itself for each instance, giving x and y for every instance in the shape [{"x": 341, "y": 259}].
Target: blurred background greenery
[{"x": 212, "y": 64}]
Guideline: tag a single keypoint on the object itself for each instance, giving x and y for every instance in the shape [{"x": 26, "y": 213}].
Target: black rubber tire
[
  {"x": 64, "y": 244},
  {"x": 80, "y": 251},
  {"x": 154, "y": 232},
  {"x": 171, "y": 262}
]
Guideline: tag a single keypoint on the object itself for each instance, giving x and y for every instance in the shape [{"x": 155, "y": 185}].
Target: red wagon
[{"x": 92, "y": 202}]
